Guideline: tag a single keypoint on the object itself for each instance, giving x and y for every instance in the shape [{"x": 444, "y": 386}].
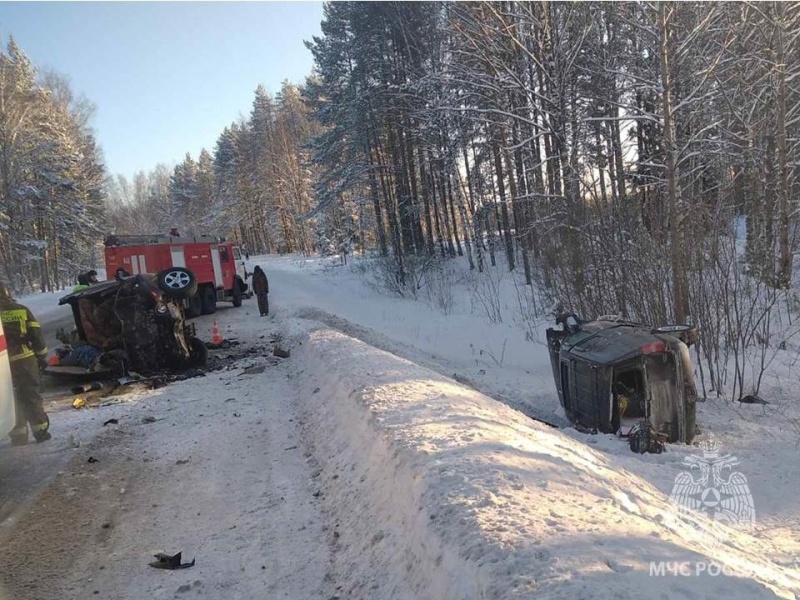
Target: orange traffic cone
[{"x": 216, "y": 338}]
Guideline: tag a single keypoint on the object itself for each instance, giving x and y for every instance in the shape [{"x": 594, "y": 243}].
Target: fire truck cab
[{"x": 215, "y": 264}]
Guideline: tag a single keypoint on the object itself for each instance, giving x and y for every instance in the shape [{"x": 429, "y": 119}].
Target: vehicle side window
[
  {"x": 236, "y": 254},
  {"x": 223, "y": 254}
]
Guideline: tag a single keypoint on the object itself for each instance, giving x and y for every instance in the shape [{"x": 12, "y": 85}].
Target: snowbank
[
  {"x": 497, "y": 360},
  {"x": 438, "y": 491},
  {"x": 495, "y": 357}
]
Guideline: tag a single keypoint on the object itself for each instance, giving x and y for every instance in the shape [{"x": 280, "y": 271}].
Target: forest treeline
[
  {"x": 52, "y": 198},
  {"x": 256, "y": 186},
  {"x": 627, "y": 158},
  {"x": 601, "y": 149},
  {"x": 624, "y": 156},
  {"x": 606, "y": 149}
]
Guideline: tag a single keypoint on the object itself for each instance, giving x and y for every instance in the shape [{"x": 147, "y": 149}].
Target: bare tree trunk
[
  {"x": 785, "y": 268},
  {"x": 501, "y": 188},
  {"x": 425, "y": 177},
  {"x": 456, "y": 239},
  {"x": 680, "y": 286},
  {"x": 376, "y": 204}
]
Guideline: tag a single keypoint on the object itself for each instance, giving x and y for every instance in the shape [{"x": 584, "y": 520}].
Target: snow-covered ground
[
  {"x": 441, "y": 492},
  {"x": 214, "y": 466},
  {"x": 44, "y": 306},
  {"x": 385, "y": 459},
  {"x": 51, "y": 316}
]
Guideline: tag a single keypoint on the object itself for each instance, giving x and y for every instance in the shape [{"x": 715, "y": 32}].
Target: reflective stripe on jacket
[{"x": 23, "y": 332}]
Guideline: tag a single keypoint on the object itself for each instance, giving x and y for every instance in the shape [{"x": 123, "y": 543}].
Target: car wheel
[
  {"x": 238, "y": 286},
  {"x": 178, "y": 282},
  {"x": 685, "y": 333},
  {"x": 198, "y": 353},
  {"x": 208, "y": 300}
]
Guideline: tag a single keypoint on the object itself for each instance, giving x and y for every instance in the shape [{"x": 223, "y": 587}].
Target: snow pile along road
[{"x": 434, "y": 490}]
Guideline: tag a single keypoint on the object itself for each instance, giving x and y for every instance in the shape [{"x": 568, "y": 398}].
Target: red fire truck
[{"x": 203, "y": 270}]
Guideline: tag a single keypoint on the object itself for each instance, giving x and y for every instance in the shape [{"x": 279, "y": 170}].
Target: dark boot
[
  {"x": 41, "y": 431},
  {"x": 19, "y": 437},
  {"x": 41, "y": 436}
]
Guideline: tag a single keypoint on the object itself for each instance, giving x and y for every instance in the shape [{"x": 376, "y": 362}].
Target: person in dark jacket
[
  {"x": 261, "y": 290},
  {"x": 27, "y": 353}
]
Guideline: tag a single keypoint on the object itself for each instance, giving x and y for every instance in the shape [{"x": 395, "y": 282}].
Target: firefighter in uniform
[{"x": 27, "y": 351}]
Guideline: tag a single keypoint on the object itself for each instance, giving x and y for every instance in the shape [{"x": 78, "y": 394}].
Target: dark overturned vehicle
[
  {"x": 131, "y": 325},
  {"x": 616, "y": 376}
]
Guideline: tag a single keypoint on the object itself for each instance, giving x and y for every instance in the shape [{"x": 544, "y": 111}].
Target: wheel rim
[{"x": 176, "y": 280}]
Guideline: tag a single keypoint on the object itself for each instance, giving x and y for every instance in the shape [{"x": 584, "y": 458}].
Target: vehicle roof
[
  {"x": 610, "y": 342},
  {"x": 160, "y": 238}
]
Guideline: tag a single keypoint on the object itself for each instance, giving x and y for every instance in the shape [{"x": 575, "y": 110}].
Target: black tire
[
  {"x": 685, "y": 333},
  {"x": 208, "y": 300},
  {"x": 195, "y": 308},
  {"x": 178, "y": 282},
  {"x": 198, "y": 353},
  {"x": 238, "y": 287}
]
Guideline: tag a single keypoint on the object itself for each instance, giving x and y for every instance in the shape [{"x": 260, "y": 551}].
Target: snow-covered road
[
  {"x": 361, "y": 468},
  {"x": 221, "y": 474}
]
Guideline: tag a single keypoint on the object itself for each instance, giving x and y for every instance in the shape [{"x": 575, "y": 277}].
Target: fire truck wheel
[
  {"x": 238, "y": 286},
  {"x": 198, "y": 353},
  {"x": 178, "y": 282},
  {"x": 195, "y": 308},
  {"x": 208, "y": 300}
]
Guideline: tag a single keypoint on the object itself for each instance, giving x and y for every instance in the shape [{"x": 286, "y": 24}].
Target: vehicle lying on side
[
  {"x": 617, "y": 376},
  {"x": 134, "y": 324}
]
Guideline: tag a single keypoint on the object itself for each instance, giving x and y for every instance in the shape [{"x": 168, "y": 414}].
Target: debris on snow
[
  {"x": 170, "y": 561},
  {"x": 88, "y": 387},
  {"x": 752, "y": 399},
  {"x": 224, "y": 344}
]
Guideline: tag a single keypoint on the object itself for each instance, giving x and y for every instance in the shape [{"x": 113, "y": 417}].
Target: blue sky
[{"x": 166, "y": 77}]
